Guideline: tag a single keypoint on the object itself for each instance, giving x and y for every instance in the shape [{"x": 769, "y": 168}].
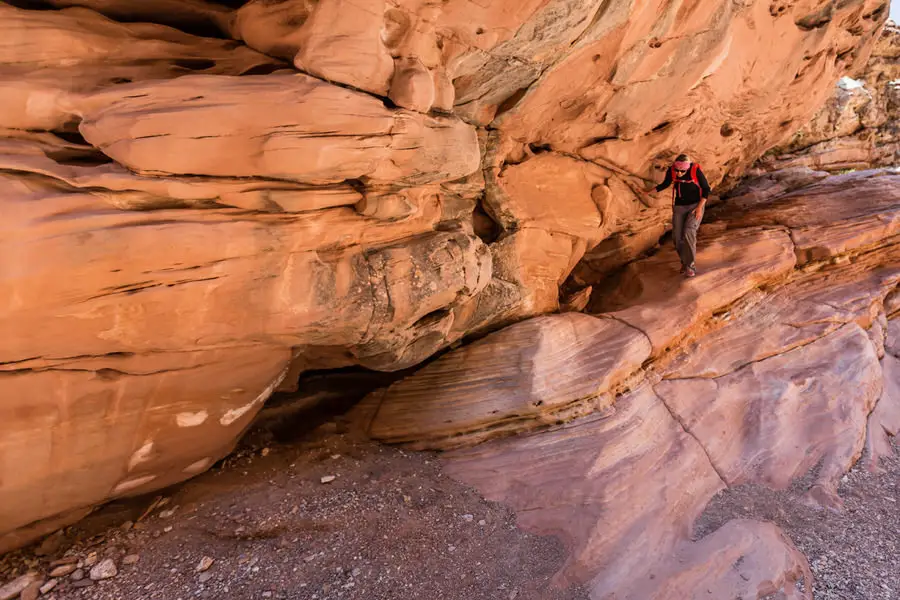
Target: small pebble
[
  {"x": 62, "y": 570},
  {"x": 32, "y": 591},
  {"x": 66, "y": 560},
  {"x": 205, "y": 563},
  {"x": 328, "y": 478},
  {"x": 49, "y": 586},
  {"x": 105, "y": 569}
]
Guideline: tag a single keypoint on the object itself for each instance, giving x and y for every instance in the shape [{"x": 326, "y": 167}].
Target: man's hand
[
  {"x": 698, "y": 212},
  {"x": 644, "y": 193}
]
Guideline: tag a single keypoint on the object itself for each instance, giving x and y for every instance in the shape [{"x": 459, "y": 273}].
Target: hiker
[{"x": 689, "y": 193}]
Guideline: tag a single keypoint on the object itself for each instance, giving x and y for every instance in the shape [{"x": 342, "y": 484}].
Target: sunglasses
[{"x": 681, "y": 170}]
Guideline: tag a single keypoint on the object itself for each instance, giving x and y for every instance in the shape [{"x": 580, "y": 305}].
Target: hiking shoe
[
  {"x": 683, "y": 269},
  {"x": 690, "y": 272}
]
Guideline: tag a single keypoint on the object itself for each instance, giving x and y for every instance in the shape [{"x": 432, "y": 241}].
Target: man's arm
[
  {"x": 704, "y": 184},
  {"x": 666, "y": 182},
  {"x": 704, "y": 194}
]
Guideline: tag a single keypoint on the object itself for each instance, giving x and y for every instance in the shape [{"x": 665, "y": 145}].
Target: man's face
[{"x": 680, "y": 172}]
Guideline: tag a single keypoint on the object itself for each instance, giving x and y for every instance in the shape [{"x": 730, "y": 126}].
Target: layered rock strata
[
  {"x": 774, "y": 363},
  {"x": 201, "y": 202},
  {"x": 859, "y": 126}
]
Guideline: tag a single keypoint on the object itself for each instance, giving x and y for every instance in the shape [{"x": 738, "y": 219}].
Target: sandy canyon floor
[{"x": 391, "y": 526}]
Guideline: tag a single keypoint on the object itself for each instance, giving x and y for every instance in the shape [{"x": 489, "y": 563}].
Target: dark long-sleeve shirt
[{"x": 686, "y": 192}]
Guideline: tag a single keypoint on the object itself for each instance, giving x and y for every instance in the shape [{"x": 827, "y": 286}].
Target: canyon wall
[
  {"x": 859, "y": 126},
  {"x": 201, "y": 202}
]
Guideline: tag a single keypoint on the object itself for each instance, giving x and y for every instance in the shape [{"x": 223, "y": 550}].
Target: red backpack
[{"x": 676, "y": 181}]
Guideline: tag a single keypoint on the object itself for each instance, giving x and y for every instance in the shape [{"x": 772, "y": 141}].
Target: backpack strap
[{"x": 674, "y": 182}]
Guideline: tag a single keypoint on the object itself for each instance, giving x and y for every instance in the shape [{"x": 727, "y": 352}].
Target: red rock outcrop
[
  {"x": 884, "y": 421},
  {"x": 540, "y": 371},
  {"x": 190, "y": 220},
  {"x": 622, "y": 491},
  {"x": 649, "y": 298},
  {"x": 743, "y": 559},
  {"x": 611, "y": 475},
  {"x": 775, "y": 362},
  {"x": 802, "y": 408},
  {"x": 49, "y": 58},
  {"x": 858, "y": 126}
]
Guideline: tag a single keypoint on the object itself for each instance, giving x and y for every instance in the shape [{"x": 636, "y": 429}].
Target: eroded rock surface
[
  {"x": 626, "y": 486},
  {"x": 822, "y": 222},
  {"x": 858, "y": 126},
  {"x": 260, "y": 126},
  {"x": 742, "y": 559},
  {"x": 772, "y": 421},
  {"x": 665, "y": 307},
  {"x": 773, "y": 368},
  {"x": 884, "y": 421},
  {"x": 189, "y": 220},
  {"x": 540, "y": 371}
]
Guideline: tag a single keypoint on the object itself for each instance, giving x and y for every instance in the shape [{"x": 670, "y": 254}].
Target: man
[{"x": 689, "y": 194}]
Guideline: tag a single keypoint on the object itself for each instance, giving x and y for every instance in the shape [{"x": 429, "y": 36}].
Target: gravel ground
[
  {"x": 854, "y": 554},
  {"x": 271, "y": 523},
  {"x": 389, "y": 526}
]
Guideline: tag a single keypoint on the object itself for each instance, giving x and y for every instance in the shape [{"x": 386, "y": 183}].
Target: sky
[{"x": 895, "y": 10}]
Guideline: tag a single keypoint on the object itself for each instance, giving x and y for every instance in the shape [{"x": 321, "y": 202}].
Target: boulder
[
  {"x": 533, "y": 373},
  {"x": 620, "y": 489},
  {"x": 806, "y": 407},
  {"x": 742, "y": 559}
]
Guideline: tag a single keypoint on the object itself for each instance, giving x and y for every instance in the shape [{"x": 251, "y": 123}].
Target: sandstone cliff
[
  {"x": 859, "y": 126},
  {"x": 202, "y": 202}
]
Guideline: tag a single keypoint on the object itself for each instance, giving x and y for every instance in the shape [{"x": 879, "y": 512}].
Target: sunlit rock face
[
  {"x": 859, "y": 126},
  {"x": 201, "y": 201},
  {"x": 613, "y": 429}
]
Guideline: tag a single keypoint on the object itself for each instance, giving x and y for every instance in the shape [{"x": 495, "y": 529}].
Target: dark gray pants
[{"x": 684, "y": 233}]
